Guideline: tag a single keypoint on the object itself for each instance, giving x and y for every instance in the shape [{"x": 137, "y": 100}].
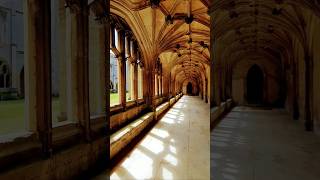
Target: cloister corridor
[
  {"x": 177, "y": 147},
  {"x": 263, "y": 144}
]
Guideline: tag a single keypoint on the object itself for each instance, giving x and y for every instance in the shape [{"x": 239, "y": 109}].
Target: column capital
[{"x": 77, "y": 6}]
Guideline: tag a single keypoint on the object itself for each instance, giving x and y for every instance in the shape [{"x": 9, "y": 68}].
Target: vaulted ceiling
[
  {"x": 261, "y": 28},
  {"x": 176, "y": 31}
]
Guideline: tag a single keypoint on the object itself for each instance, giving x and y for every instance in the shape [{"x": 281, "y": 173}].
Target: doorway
[
  {"x": 255, "y": 85},
  {"x": 189, "y": 88}
]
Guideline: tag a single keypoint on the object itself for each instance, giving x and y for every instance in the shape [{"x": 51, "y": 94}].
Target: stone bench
[
  {"x": 125, "y": 135},
  {"x": 162, "y": 108},
  {"x": 172, "y": 101}
]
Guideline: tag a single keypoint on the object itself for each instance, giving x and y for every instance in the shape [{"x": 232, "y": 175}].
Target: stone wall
[{"x": 67, "y": 164}]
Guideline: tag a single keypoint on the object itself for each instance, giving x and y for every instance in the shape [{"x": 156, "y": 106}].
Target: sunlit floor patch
[
  {"x": 166, "y": 151},
  {"x": 251, "y": 144}
]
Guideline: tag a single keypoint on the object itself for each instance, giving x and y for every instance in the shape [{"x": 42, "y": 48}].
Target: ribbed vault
[
  {"x": 176, "y": 31},
  {"x": 261, "y": 27}
]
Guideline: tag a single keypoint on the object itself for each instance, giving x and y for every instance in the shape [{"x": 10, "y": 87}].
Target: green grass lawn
[
  {"x": 114, "y": 98},
  {"x": 12, "y": 118}
]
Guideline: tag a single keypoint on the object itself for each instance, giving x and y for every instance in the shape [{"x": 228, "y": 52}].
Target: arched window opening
[
  {"x": 124, "y": 75},
  {"x": 114, "y": 79},
  {"x": 13, "y": 121}
]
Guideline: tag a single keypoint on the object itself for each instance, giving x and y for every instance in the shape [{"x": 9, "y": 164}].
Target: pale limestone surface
[
  {"x": 251, "y": 144},
  {"x": 176, "y": 148}
]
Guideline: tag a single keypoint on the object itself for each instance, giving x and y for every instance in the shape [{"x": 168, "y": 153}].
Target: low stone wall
[
  {"x": 162, "y": 108},
  {"x": 172, "y": 101},
  {"x": 121, "y": 118},
  {"x": 124, "y": 136},
  {"x": 218, "y": 111},
  {"x": 121, "y": 138},
  {"x": 159, "y": 101},
  {"x": 67, "y": 164}
]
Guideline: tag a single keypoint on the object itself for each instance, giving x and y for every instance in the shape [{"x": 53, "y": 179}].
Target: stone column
[
  {"x": 80, "y": 60},
  {"x": 217, "y": 85},
  {"x": 213, "y": 85},
  {"x": 97, "y": 66},
  {"x": 38, "y": 81},
  {"x": 149, "y": 84},
  {"x": 308, "y": 92},
  {"x": 135, "y": 81},
  {"x": 155, "y": 84},
  {"x": 62, "y": 62},
  {"x": 221, "y": 84},
  {"x": 103, "y": 75},
  {"x": 158, "y": 84},
  {"x": 227, "y": 83},
  {"x": 161, "y": 85},
  {"x": 295, "y": 87},
  {"x": 122, "y": 68}
]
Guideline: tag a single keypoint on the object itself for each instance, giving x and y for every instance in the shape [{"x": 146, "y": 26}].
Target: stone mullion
[
  {"x": 149, "y": 91},
  {"x": 62, "y": 63},
  {"x": 112, "y": 36},
  {"x": 155, "y": 84},
  {"x": 128, "y": 45},
  {"x": 39, "y": 50},
  {"x": 135, "y": 81},
  {"x": 81, "y": 48},
  {"x": 103, "y": 63},
  {"x": 122, "y": 68},
  {"x": 159, "y": 85}
]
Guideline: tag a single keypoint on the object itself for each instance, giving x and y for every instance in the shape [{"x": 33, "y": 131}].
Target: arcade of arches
[
  {"x": 96, "y": 82},
  {"x": 95, "y": 75},
  {"x": 265, "y": 57}
]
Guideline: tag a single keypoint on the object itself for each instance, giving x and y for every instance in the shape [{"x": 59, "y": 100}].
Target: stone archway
[{"x": 255, "y": 85}]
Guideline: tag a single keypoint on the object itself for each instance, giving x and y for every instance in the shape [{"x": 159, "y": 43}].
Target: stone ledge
[
  {"x": 218, "y": 111},
  {"x": 162, "y": 108},
  {"x": 121, "y": 118},
  {"x": 123, "y": 137},
  {"x": 172, "y": 101}
]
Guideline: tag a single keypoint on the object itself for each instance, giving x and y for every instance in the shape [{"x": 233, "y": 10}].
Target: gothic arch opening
[
  {"x": 255, "y": 85},
  {"x": 189, "y": 88}
]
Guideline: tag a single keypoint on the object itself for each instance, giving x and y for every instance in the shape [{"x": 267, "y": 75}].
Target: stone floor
[
  {"x": 176, "y": 148},
  {"x": 256, "y": 144}
]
